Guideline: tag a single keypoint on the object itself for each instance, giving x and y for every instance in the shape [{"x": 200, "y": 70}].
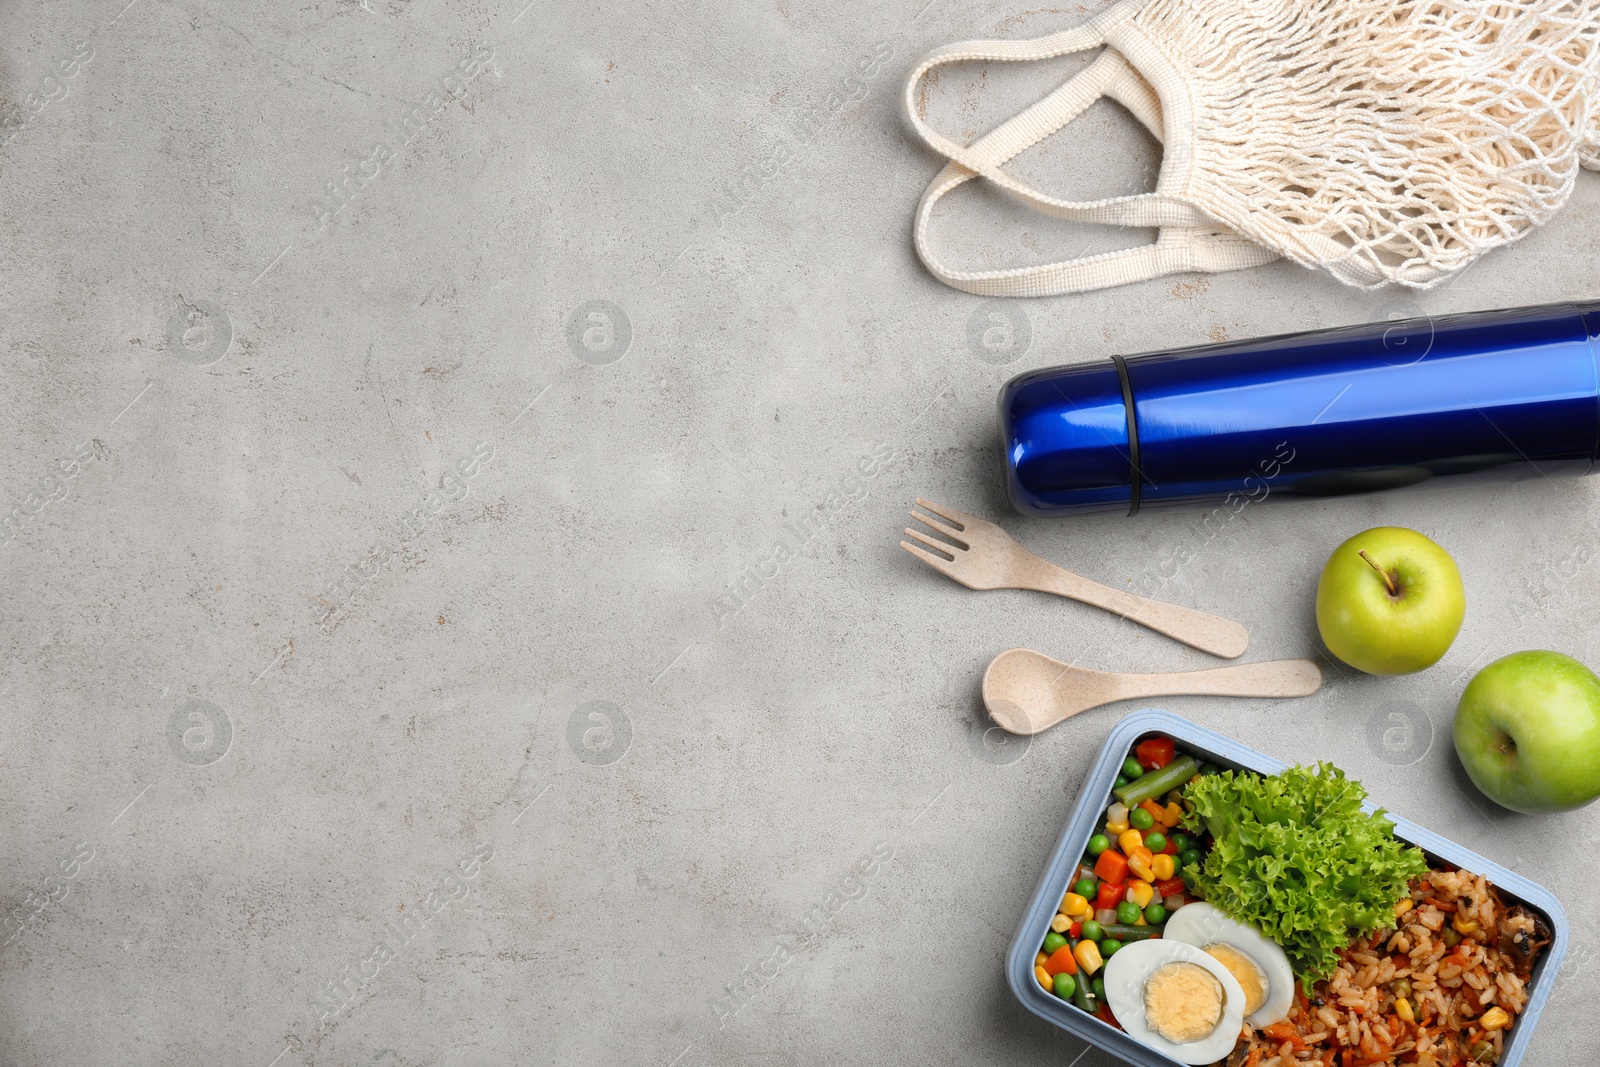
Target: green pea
[
  {"x": 1140, "y": 819},
  {"x": 1099, "y": 987},
  {"x": 1092, "y": 931},
  {"x": 1155, "y": 914},
  {"x": 1098, "y": 844},
  {"x": 1183, "y": 841},
  {"x": 1155, "y": 842},
  {"x": 1190, "y": 858},
  {"x": 1065, "y": 985},
  {"x": 1108, "y": 947},
  {"x": 1131, "y": 769},
  {"x": 1121, "y": 781},
  {"x": 1053, "y": 941},
  {"x": 1085, "y": 887},
  {"x": 1127, "y": 913}
]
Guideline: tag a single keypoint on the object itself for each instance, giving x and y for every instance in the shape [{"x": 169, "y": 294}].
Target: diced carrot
[
  {"x": 1112, "y": 866},
  {"x": 1157, "y": 812},
  {"x": 1061, "y": 961}
]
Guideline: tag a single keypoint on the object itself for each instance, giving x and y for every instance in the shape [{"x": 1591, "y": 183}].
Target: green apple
[
  {"x": 1528, "y": 732},
  {"x": 1390, "y": 601}
]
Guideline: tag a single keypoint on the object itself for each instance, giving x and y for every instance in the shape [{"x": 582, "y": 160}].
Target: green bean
[
  {"x": 1155, "y": 783},
  {"x": 1081, "y": 996},
  {"x": 1132, "y": 933}
]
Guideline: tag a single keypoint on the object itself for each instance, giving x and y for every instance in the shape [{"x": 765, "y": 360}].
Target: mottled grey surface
[{"x": 373, "y": 543}]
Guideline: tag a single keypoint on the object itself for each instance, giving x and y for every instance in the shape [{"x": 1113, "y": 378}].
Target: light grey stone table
[{"x": 455, "y": 614}]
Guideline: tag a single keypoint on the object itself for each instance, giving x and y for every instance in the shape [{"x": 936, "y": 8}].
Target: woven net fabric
[
  {"x": 1382, "y": 140},
  {"x": 1385, "y": 141}
]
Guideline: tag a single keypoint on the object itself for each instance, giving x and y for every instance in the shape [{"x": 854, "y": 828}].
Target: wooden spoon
[{"x": 1027, "y": 692}]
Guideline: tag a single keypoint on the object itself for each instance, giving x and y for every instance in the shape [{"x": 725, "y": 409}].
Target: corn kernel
[
  {"x": 1141, "y": 893},
  {"x": 1495, "y": 1019},
  {"x": 1075, "y": 906},
  {"x": 1402, "y": 1008},
  {"x": 1405, "y": 904},
  {"x": 1464, "y": 925},
  {"x": 1129, "y": 840},
  {"x": 1164, "y": 867},
  {"x": 1038, "y": 961},
  {"x": 1141, "y": 921},
  {"x": 1044, "y": 979},
  {"x": 1060, "y": 924},
  {"x": 1087, "y": 953},
  {"x": 1115, "y": 828},
  {"x": 1173, "y": 814},
  {"x": 1140, "y": 866}
]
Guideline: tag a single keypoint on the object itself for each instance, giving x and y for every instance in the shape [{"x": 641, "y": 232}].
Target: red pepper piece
[
  {"x": 1155, "y": 753},
  {"x": 1110, "y": 894}
]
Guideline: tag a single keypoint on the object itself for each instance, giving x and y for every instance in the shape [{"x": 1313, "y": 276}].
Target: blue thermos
[{"x": 1487, "y": 396}]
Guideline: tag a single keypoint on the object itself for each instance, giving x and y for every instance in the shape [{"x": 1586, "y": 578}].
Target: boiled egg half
[
  {"x": 1257, "y": 964},
  {"x": 1176, "y": 999}
]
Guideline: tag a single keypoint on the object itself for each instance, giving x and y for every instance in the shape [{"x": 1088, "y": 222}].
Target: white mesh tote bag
[{"x": 1380, "y": 140}]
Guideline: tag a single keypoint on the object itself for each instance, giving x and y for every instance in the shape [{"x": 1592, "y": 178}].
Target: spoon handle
[{"x": 1275, "y": 678}]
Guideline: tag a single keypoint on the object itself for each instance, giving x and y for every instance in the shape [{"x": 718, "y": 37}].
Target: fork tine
[
  {"x": 940, "y": 526},
  {"x": 934, "y": 543},
  {"x": 937, "y": 563},
  {"x": 960, "y": 518}
]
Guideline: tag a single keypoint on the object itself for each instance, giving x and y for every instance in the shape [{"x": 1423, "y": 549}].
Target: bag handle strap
[
  {"x": 1188, "y": 241},
  {"x": 1044, "y": 118}
]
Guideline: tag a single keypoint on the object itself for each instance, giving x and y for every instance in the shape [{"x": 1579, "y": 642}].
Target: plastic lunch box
[{"x": 1085, "y": 821}]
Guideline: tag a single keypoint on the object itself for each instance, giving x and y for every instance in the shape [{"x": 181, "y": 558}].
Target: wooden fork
[{"x": 983, "y": 556}]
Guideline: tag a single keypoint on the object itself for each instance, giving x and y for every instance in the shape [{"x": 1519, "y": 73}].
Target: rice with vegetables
[{"x": 1441, "y": 987}]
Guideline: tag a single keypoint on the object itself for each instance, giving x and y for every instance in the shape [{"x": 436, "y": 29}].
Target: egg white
[
  {"x": 1201, "y": 924},
  {"x": 1130, "y": 968}
]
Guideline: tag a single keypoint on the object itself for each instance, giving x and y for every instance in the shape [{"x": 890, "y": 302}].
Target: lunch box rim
[{"x": 1218, "y": 748}]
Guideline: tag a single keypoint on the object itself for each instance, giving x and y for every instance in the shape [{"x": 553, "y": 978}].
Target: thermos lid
[{"x": 1065, "y": 430}]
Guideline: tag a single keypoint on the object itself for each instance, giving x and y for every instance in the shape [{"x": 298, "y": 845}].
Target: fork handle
[
  {"x": 1199, "y": 629},
  {"x": 1274, "y": 678}
]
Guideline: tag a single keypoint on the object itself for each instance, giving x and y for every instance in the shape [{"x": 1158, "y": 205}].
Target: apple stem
[{"x": 1388, "y": 581}]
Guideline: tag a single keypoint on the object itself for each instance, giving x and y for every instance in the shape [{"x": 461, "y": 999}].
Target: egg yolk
[
  {"x": 1183, "y": 1002},
  {"x": 1242, "y": 967}
]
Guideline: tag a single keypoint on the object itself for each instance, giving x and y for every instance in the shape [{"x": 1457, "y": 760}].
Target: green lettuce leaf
[{"x": 1295, "y": 856}]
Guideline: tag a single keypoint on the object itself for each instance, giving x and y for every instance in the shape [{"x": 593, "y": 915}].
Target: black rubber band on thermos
[{"x": 1135, "y": 472}]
